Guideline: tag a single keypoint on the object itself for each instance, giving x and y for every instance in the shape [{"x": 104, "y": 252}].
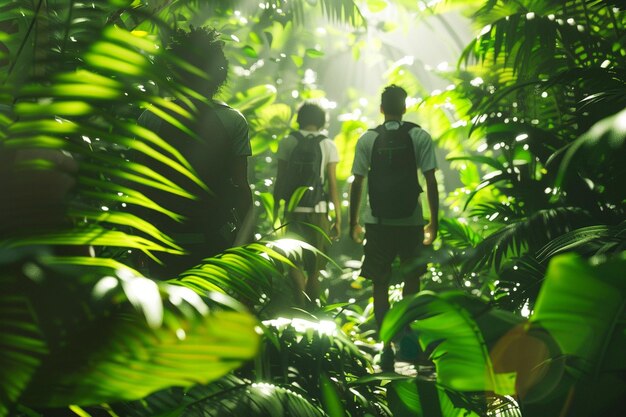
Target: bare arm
[
  {"x": 331, "y": 172},
  {"x": 356, "y": 189},
  {"x": 279, "y": 186},
  {"x": 432, "y": 194}
]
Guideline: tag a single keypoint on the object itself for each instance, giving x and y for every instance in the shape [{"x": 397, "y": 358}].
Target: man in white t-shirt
[
  {"x": 313, "y": 208},
  {"x": 394, "y": 223}
]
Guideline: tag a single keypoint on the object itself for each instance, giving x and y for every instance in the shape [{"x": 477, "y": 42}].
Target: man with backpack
[
  {"x": 307, "y": 158},
  {"x": 389, "y": 156}
]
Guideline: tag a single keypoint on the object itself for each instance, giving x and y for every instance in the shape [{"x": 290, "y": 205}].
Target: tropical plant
[
  {"x": 317, "y": 357},
  {"x": 230, "y": 395},
  {"x": 108, "y": 334},
  {"x": 538, "y": 76},
  {"x": 550, "y": 365}
]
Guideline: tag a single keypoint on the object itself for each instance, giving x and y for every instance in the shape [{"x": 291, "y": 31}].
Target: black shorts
[{"x": 384, "y": 243}]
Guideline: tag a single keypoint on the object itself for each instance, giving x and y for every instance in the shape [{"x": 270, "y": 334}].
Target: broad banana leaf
[
  {"x": 419, "y": 398},
  {"x": 459, "y": 330},
  {"x": 583, "y": 309},
  {"x": 582, "y": 306}
]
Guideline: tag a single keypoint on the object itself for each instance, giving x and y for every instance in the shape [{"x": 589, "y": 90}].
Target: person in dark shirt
[{"x": 217, "y": 147}]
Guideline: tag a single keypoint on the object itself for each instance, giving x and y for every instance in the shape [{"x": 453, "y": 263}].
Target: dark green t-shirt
[{"x": 221, "y": 136}]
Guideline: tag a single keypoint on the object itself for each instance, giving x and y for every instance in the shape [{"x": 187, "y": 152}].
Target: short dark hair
[
  {"x": 393, "y": 100},
  {"x": 311, "y": 114},
  {"x": 202, "y": 48}
]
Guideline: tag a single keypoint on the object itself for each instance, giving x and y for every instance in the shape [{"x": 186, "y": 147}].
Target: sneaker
[{"x": 387, "y": 360}]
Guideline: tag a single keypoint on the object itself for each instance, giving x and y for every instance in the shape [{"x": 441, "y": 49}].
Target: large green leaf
[
  {"x": 597, "y": 156},
  {"x": 583, "y": 308},
  {"x": 459, "y": 330},
  {"x": 105, "y": 338},
  {"x": 330, "y": 398},
  {"x": 420, "y": 398}
]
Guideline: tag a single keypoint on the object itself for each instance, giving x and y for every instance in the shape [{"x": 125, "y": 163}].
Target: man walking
[
  {"x": 217, "y": 150},
  {"x": 307, "y": 158},
  {"x": 389, "y": 157}
]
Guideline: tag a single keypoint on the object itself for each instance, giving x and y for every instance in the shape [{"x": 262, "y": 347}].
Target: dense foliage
[{"x": 522, "y": 311}]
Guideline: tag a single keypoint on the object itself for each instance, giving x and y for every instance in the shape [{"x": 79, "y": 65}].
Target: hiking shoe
[{"x": 387, "y": 360}]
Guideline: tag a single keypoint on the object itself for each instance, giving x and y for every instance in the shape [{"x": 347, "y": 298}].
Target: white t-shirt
[
  {"x": 329, "y": 155},
  {"x": 424, "y": 159}
]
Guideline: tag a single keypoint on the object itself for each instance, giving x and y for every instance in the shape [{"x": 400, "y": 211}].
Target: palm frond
[
  {"x": 305, "y": 352},
  {"x": 228, "y": 396},
  {"x": 458, "y": 234},
  {"x": 252, "y": 399},
  {"x": 247, "y": 272},
  {"x": 519, "y": 283},
  {"x": 587, "y": 241},
  {"x": 335, "y": 10},
  {"x": 521, "y": 278},
  {"x": 23, "y": 345},
  {"x": 544, "y": 60},
  {"x": 86, "y": 109},
  {"x": 528, "y": 234},
  {"x": 498, "y": 212},
  {"x": 108, "y": 331},
  {"x": 342, "y": 10}
]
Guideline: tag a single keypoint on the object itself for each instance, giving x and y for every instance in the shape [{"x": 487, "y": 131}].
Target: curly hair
[{"x": 202, "y": 48}]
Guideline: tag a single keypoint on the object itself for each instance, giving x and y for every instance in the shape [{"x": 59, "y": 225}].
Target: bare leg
[
  {"x": 299, "y": 282},
  {"x": 381, "y": 300},
  {"x": 313, "y": 287},
  {"x": 409, "y": 348},
  {"x": 381, "y": 306},
  {"x": 411, "y": 286},
  {"x": 412, "y": 278}
]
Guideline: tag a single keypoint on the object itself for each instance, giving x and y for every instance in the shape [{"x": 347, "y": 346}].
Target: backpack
[
  {"x": 304, "y": 170},
  {"x": 393, "y": 187}
]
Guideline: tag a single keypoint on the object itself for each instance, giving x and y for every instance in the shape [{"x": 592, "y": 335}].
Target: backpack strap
[
  {"x": 296, "y": 134},
  {"x": 404, "y": 126},
  {"x": 299, "y": 135}
]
